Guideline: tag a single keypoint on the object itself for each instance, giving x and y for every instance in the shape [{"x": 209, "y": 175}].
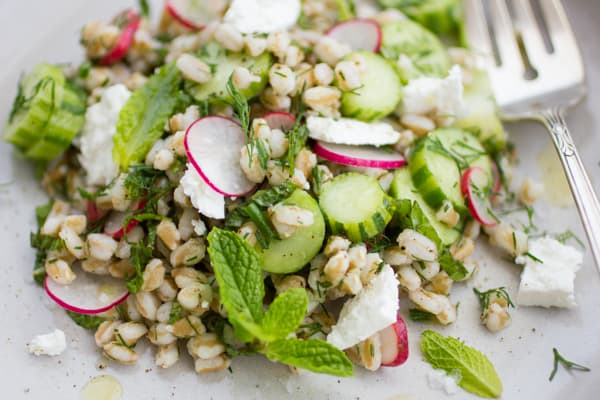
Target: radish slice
[
  {"x": 280, "y": 120},
  {"x": 474, "y": 184},
  {"x": 193, "y": 14},
  {"x": 358, "y": 33},
  {"x": 358, "y": 156},
  {"x": 116, "y": 219},
  {"x": 394, "y": 344},
  {"x": 130, "y": 23},
  {"x": 212, "y": 145},
  {"x": 89, "y": 293}
]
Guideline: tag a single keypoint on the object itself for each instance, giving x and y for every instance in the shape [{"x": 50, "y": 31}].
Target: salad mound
[{"x": 269, "y": 187}]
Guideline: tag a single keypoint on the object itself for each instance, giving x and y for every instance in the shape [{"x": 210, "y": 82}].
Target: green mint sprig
[{"x": 241, "y": 288}]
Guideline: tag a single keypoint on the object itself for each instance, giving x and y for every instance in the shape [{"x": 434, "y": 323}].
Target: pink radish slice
[
  {"x": 358, "y": 156},
  {"x": 116, "y": 219},
  {"x": 193, "y": 14},
  {"x": 358, "y": 33},
  {"x": 130, "y": 26},
  {"x": 394, "y": 344},
  {"x": 473, "y": 185},
  {"x": 88, "y": 293},
  {"x": 280, "y": 120},
  {"x": 213, "y": 145}
]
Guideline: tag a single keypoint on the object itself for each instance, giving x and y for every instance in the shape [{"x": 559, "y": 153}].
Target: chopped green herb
[
  {"x": 568, "y": 234},
  {"x": 534, "y": 258},
  {"x": 176, "y": 313},
  {"x": 569, "y": 365},
  {"x": 420, "y": 315},
  {"x": 91, "y": 322},
  {"x": 485, "y": 297}
]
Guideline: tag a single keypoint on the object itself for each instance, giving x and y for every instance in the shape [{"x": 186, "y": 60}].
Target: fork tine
[
  {"x": 510, "y": 57},
  {"x": 530, "y": 31},
  {"x": 478, "y": 34},
  {"x": 558, "y": 25}
]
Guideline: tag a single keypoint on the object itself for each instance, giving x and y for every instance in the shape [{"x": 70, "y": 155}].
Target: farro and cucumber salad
[{"x": 271, "y": 177}]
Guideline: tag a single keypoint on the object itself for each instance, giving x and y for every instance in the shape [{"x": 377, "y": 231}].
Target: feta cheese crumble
[
  {"x": 373, "y": 309},
  {"x": 551, "y": 282},
  {"x": 262, "y": 16},
  {"x": 351, "y": 131},
  {"x": 96, "y": 143},
  {"x": 443, "y": 97},
  {"x": 203, "y": 197},
  {"x": 440, "y": 380},
  {"x": 51, "y": 344}
]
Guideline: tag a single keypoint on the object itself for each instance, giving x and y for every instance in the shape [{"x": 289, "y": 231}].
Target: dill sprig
[
  {"x": 569, "y": 365},
  {"x": 486, "y": 297}
]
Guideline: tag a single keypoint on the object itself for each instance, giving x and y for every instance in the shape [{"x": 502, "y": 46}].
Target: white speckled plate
[{"x": 33, "y": 31}]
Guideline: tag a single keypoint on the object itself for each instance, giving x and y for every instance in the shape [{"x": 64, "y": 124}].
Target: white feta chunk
[
  {"x": 51, "y": 344},
  {"x": 439, "y": 380},
  {"x": 551, "y": 282},
  {"x": 350, "y": 131},
  {"x": 443, "y": 97},
  {"x": 262, "y": 16},
  {"x": 96, "y": 142},
  {"x": 373, "y": 309},
  {"x": 203, "y": 197}
]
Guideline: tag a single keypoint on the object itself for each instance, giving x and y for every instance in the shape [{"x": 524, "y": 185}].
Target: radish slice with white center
[
  {"x": 116, "y": 219},
  {"x": 193, "y": 14},
  {"x": 213, "y": 145},
  {"x": 88, "y": 293},
  {"x": 359, "y": 156},
  {"x": 280, "y": 120},
  {"x": 394, "y": 344},
  {"x": 475, "y": 187},
  {"x": 358, "y": 33},
  {"x": 130, "y": 22}
]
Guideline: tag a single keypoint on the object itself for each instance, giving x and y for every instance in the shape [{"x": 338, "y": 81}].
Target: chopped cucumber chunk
[
  {"x": 403, "y": 189},
  {"x": 480, "y": 114},
  {"x": 440, "y": 16},
  {"x": 39, "y": 93},
  {"x": 437, "y": 164},
  {"x": 290, "y": 255},
  {"x": 380, "y": 92},
  {"x": 423, "y": 49},
  {"x": 223, "y": 64},
  {"x": 355, "y": 205}
]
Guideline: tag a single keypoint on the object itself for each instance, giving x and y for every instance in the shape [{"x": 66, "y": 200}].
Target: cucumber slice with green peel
[
  {"x": 380, "y": 92},
  {"x": 39, "y": 93},
  {"x": 223, "y": 64},
  {"x": 60, "y": 130},
  {"x": 423, "y": 48},
  {"x": 290, "y": 255},
  {"x": 437, "y": 162},
  {"x": 403, "y": 189},
  {"x": 355, "y": 205},
  {"x": 480, "y": 114},
  {"x": 443, "y": 17}
]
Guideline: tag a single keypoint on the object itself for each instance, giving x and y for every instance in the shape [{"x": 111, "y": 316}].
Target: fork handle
[{"x": 581, "y": 187}]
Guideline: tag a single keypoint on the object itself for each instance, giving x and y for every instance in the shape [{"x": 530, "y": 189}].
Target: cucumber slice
[
  {"x": 437, "y": 163},
  {"x": 223, "y": 63},
  {"x": 403, "y": 188},
  {"x": 61, "y": 128},
  {"x": 480, "y": 115},
  {"x": 355, "y": 205},
  {"x": 291, "y": 254},
  {"x": 380, "y": 93},
  {"x": 423, "y": 48},
  {"x": 39, "y": 92},
  {"x": 440, "y": 16}
]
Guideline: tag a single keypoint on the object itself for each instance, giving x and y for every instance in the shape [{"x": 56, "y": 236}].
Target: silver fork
[{"x": 536, "y": 80}]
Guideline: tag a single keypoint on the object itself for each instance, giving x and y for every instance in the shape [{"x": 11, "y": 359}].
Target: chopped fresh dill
[
  {"x": 568, "y": 234},
  {"x": 534, "y": 258},
  {"x": 569, "y": 365},
  {"x": 485, "y": 297}
]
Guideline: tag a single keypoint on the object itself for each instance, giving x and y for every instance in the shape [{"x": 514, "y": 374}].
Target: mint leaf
[
  {"x": 143, "y": 117},
  {"x": 450, "y": 354},
  {"x": 411, "y": 216},
  {"x": 312, "y": 354},
  {"x": 239, "y": 275},
  {"x": 91, "y": 322},
  {"x": 285, "y": 314},
  {"x": 455, "y": 269}
]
